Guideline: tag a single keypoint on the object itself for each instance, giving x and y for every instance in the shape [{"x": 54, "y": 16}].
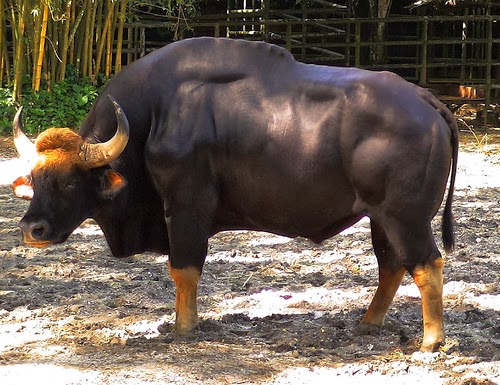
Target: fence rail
[
  {"x": 469, "y": 53},
  {"x": 442, "y": 53}
]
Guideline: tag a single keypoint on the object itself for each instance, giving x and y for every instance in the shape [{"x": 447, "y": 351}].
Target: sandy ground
[{"x": 274, "y": 310}]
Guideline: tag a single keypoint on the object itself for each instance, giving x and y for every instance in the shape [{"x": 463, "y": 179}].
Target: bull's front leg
[
  {"x": 188, "y": 237},
  {"x": 186, "y": 286}
]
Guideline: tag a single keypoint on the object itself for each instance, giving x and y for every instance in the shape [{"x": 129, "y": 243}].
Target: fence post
[
  {"x": 489, "y": 50},
  {"x": 130, "y": 44},
  {"x": 142, "y": 43},
  {"x": 289, "y": 36},
  {"x": 423, "y": 53},
  {"x": 357, "y": 50},
  {"x": 304, "y": 32},
  {"x": 265, "y": 4}
]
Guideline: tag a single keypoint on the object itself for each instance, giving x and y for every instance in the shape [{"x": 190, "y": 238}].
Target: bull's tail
[{"x": 447, "y": 221}]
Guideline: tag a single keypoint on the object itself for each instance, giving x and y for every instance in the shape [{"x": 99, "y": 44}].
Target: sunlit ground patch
[
  {"x": 22, "y": 328},
  {"x": 46, "y": 374},
  {"x": 354, "y": 374},
  {"x": 314, "y": 299}
]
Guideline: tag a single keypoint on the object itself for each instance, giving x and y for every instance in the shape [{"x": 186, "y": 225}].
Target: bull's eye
[{"x": 68, "y": 185}]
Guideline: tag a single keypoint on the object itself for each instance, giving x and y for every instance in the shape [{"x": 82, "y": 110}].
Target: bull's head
[{"x": 69, "y": 179}]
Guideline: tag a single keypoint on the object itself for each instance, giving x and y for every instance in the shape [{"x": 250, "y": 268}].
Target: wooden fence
[{"x": 448, "y": 54}]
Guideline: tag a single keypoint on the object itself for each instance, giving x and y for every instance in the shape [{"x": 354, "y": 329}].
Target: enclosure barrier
[{"x": 457, "y": 57}]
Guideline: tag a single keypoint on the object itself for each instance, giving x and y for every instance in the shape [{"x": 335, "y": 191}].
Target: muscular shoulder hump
[
  {"x": 224, "y": 60},
  {"x": 232, "y": 47}
]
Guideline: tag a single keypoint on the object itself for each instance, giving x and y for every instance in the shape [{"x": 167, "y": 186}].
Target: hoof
[
  {"x": 168, "y": 328},
  {"x": 186, "y": 330},
  {"x": 431, "y": 347},
  {"x": 364, "y": 329},
  {"x": 165, "y": 328},
  {"x": 170, "y": 333}
]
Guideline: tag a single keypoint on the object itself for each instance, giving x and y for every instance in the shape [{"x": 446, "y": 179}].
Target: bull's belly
[
  {"x": 315, "y": 207},
  {"x": 317, "y": 227}
]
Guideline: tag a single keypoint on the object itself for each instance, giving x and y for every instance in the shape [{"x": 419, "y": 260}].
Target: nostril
[
  {"x": 39, "y": 230},
  {"x": 34, "y": 229}
]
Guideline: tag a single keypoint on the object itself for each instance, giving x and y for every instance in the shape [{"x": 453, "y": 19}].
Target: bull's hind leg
[
  {"x": 391, "y": 274},
  {"x": 400, "y": 246},
  {"x": 429, "y": 279}
]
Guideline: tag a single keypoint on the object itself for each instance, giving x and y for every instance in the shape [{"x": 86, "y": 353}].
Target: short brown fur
[{"x": 60, "y": 147}]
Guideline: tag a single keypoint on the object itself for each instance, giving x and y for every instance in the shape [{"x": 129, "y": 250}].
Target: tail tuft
[{"x": 447, "y": 228}]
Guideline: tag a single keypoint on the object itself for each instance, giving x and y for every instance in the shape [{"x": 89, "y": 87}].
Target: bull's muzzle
[{"x": 35, "y": 232}]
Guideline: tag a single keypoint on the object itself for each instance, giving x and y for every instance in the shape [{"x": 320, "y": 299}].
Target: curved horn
[
  {"x": 24, "y": 146},
  {"x": 97, "y": 155}
]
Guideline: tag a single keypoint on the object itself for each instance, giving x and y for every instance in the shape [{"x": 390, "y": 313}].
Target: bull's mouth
[
  {"x": 38, "y": 244},
  {"x": 41, "y": 244}
]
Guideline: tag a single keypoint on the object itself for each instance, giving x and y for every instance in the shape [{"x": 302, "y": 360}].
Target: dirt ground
[{"x": 274, "y": 310}]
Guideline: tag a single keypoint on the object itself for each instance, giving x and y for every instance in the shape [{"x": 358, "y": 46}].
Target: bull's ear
[
  {"x": 22, "y": 187},
  {"x": 112, "y": 183}
]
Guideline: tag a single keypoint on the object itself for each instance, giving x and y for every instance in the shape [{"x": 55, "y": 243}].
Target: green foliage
[
  {"x": 178, "y": 12},
  {"x": 66, "y": 105},
  {"x": 166, "y": 8},
  {"x": 7, "y": 110}
]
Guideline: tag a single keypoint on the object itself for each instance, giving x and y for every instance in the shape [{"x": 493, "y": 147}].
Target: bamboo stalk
[
  {"x": 100, "y": 49},
  {"x": 92, "y": 36},
  {"x": 18, "y": 27},
  {"x": 53, "y": 54},
  {"x": 5, "y": 55},
  {"x": 65, "y": 42},
  {"x": 119, "y": 41},
  {"x": 71, "y": 44},
  {"x": 98, "y": 22},
  {"x": 2, "y": 66},
  {"x": 85, "y": 38},
  {"x": 98, "y": 27},
  {"x": 109, "y": 42},
  {"x": 3, "y": 42},
  {"x": 37, "y": 76},
  {"x": 78, "y": 51},
  {"x": 112, "y": 35},
  {"x": 74, "y": 30},
  {"x": 32, "y": 39}
]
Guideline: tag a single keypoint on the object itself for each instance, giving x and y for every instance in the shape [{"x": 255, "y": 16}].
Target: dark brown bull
[{"x": 237, "y": 135}]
